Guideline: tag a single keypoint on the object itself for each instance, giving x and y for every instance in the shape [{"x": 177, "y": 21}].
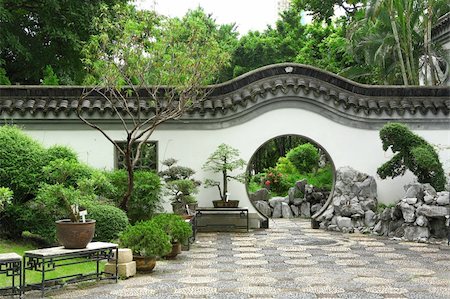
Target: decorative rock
[
  {"x": 291, "y": 194},
  {"x": 344, "y": 222},
  {"x": 421, "y": 221},
  {"x": 410, "y": 200},
  {"x": 274, "y": 200},
  {"x": 315, "y": 208},
  {"x": 416, "y": 233},
  {"x": 369, "y": 218},
  {"x": 305, "y": 209},
  {"x": 443, "y": 198},
  {"x": 408, "y": 212},
  {"x": 295, "y": 210},
  {"x": 261, "y": 194},
  {"x": 414, "y": 190},
  {"x": 433, "y": 211},
  {"x": 428, "y": 199},
  {"x": 300, "y": 185},
  {"x": 428, "y": 189},
  {"x": 263, "y": 207},
  {"x": 368, "y": 204},
  {"x": 286, "y": 210},
  {"x": 297, "y": 201},
  {"x": 277, "y": 213}
]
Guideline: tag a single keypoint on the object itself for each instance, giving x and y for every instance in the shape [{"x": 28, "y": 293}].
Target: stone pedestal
[{"x": 126, "y": 265}]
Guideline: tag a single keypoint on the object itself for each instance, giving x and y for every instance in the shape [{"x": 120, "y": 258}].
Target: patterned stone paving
[{"x": 289, "y": 260}]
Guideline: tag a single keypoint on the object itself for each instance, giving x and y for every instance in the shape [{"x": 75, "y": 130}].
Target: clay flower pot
[{"x": 74, "y": 235}]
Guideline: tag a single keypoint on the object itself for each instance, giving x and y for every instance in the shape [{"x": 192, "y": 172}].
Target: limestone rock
[
  {"x": 263, "y": 207},
  {"x": 414, "y": 191},
  {"x": 315, "y": 208},
  {"x": 408, "y": 212},
  {"x": 300, "y": 185},
  {"x": 261, "y": 194},
  {"x": 410, "y": 201},
  {"x": 416, "y": 233},
  {"x": 295, "y": 210},
  {"x": 369, "y": 218},
  {"x": 344, "y": 222},
  {"x": 433, "y": 211},
  {"x": 443, "y": 198},
  {"x": 305, "y": 209},
  {"x": 286, "y": 211},
  {"x": 277, "y": 213},
  {"x": 275, "y": 200},
  {"x": 297, "y": 201},
  {"x": 421, "y": 221}
]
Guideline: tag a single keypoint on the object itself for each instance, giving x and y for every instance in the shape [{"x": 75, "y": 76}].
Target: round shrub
[
  {"x": 6, "y": 196},
  {"x": 146, "y": 239},
  {"x": 60, "y": 152},
  {"x": 66, "y": 172},
  {"x": 305, "y": 157},
  {"x": 21, "y": 162},
  {"x": 110, "y": 221},
  {"x": 174, "y": 226}
]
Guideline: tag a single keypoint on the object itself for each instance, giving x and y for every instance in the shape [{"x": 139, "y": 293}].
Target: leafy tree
[
  {"x": 50, "y": 77},
  {"x": 305, "y": 157},
  {"x": 163, "y": 63},
  {"x": 46, "y": 32},
  {"x": 413, "y": 153},
  {"x": 324, "y": 10}
]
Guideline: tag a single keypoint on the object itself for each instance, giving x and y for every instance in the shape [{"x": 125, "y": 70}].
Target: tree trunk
[
  {"x": 130, "y": 178},
  {"x": 225, "y": 180},
  {"x": 398, "y": 45}
]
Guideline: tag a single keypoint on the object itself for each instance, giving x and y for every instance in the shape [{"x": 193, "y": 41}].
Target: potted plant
[
  {"x": 76, "y": 231},
  {"x": 224, "y": 161},
  {"x": 180, "y": 186},
  {"x": 147, "y": 241},
  {"x": 178, "y": 230}
]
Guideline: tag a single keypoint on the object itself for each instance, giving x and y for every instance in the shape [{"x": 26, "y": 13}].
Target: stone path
[{"x": 289, "y": 260}]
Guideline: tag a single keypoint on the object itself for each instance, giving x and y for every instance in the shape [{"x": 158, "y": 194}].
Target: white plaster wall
[{"x": 358, "y": 148}]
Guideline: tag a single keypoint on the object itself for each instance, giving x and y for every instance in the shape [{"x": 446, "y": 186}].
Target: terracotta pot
[
  {"x": 144, "y": 263},
  {"x": 75, "y": 235},
  {"x": 176, "y": 250},
  {"x": 226, "y": 204},
  {"x": 180, "y": 208}
]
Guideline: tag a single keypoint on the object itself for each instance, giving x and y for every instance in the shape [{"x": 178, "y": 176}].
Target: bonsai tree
[
  {"x": 413, "y": 153},
  {"x": 146, "y": 239},
  {"x": 174, "y": 226},
  {"x": 180, "y": 185},
  {"x": 224, "y": 160}
]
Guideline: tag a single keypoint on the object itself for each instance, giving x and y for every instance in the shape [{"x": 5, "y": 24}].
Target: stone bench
[{"x": 11, "y": 265}]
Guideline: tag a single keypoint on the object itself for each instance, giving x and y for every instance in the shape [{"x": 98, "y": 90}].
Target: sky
[{"x": 247, "y": 14}]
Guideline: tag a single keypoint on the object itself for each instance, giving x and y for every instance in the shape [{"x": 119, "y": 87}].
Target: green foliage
[
  {"x": 179, "y": 183},
  {"x": 174, "y": 226},
  {"x": 110, "y": 221},
  {"x": 40, "y": 33},
  {"x": 275, "y": 180},
  {"x": 304, "y": 157},
  {"x": 6, "y": 196},
  {"x": 146, "y": 239},
  {"x": 413, "y": 153},
  {"x": 21, "y": 163},
  {"x": 224, "y": 160},
  {"x": 146, "y": 198},
  {"x": 4, "y": 80},
  {"x": 50, "y": 77},
  {"x": 60, "y": 152},
  {"x": 66, "y": 172}
]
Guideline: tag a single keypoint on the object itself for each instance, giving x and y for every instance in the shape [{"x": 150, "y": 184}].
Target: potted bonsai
[
  {"x": 180, "y": 186},
  {"x": 75, "y": 232},
  {"x": 147, "y": 242},
  {"x": 178, "y": 230},
  {"x": 224, "y": 161}
]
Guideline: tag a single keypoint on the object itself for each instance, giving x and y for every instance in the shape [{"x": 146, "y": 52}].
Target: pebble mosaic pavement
[{"x": 289, "y": 260}]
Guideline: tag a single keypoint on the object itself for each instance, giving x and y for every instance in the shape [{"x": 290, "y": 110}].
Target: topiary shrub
[
  {"x": 6, "y": 196},
  {"x": 413, "y": 153},
  {"x": 66, "y": 172},
  {"x": 305, "y": 157},
  {"x": 110, "y": 221},
  {"x": 21, "y": 163},
  {"x": 146, "y": 198}
]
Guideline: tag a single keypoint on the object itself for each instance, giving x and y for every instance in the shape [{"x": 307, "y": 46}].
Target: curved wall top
[{"x": 234, "y": 102}]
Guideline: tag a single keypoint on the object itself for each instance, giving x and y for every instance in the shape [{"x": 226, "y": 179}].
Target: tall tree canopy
[{"x": 38, "y": 33}]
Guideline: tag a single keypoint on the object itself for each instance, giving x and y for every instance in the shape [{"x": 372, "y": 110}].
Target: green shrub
[
  {"x": 110, "y": 221},
  {"x": 174, "y": 226},
  {"x": 146, "y": 198},
  {"x": 98, "y": 183},
  {"x": 6, "y": 196},
  {"x": 413, "y": 153},
  {"x": 305, "y": 157},
  {"x": 146, "y": 239},
  {"x": 21, "y": 163},
  {"x": 60, "y": 152},
  {"x": 66, "y": 172}
]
